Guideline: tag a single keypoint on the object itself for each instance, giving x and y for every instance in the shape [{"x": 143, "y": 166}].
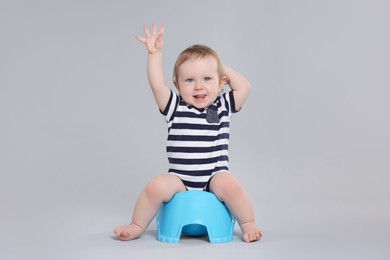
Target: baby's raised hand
[{"x": 155, "y": 41}]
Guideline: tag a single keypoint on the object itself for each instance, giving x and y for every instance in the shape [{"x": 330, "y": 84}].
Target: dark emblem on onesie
[{"x": 212, "y": 115}]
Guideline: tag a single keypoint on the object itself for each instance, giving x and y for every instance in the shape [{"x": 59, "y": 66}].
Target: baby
[{"x": 198, "y": 134}]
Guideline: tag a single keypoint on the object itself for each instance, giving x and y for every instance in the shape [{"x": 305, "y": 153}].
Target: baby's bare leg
[
  {"x": 158, "y": 190},
  {"x": 227, "y": 188}
]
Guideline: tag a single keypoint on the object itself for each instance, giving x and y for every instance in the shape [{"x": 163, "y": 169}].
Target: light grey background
[{"x": 80, "y": 134}]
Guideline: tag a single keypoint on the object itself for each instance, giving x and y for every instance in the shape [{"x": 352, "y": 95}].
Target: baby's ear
[
  {"x": 224, "y": 80},
  {"x": 176, "y": 85}
]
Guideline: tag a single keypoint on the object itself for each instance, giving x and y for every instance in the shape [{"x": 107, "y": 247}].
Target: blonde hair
[{"x": 197, "y": 51}]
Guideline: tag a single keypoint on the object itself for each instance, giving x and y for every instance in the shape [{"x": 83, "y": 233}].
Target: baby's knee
[
  {"x": 161, "y": 187},
  {"x": 225, "y": 185},
  {"x": 155, "y": 187}
]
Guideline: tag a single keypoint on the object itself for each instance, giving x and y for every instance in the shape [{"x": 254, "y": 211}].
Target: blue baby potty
[{"x": 195, "y": 213}]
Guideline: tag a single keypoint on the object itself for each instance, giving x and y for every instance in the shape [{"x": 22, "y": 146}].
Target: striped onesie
[{"x": 198, "y": 139}]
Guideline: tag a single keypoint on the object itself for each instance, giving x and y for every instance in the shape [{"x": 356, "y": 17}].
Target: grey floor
[{"x": 73, "y": 230}]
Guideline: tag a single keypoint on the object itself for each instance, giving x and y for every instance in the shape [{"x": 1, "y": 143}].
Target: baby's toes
[{"x": 246, "y": 238}]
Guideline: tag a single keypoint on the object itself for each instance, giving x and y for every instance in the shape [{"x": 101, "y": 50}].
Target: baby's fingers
[
  {"x": 147, "y": 33},
  {"x": 154, "y": 29},
  {"x": 161, "y": 32},
  {"x": 141, "y": 39}
]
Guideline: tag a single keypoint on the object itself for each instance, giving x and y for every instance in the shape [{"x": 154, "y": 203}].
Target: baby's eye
[
  {"x": 189, "y": 80},
  {"x": 207, "y": 78}
]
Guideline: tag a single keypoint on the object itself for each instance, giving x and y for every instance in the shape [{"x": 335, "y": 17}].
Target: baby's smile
[{"x": 200, "y": 97}]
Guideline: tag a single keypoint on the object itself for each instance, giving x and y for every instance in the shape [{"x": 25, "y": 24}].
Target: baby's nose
[{"x": 198, "y": 85}]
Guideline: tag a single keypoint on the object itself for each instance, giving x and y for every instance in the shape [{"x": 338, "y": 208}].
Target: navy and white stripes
[{"x": 196, "y": 148}]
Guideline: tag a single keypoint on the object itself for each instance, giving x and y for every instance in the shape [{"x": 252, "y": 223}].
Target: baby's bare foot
[
  {"x": 250, "y": 232},
  {"x": 128, "y": 232}
]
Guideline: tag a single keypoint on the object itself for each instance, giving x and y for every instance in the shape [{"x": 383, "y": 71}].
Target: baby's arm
[
  {"x": 154, "y": 43},
  {"x": 239, "y": 84}
]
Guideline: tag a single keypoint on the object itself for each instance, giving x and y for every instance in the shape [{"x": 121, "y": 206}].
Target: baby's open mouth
[{"x": 200, "y": 96}]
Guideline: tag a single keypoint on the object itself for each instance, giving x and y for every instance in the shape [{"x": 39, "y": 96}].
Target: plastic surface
[{"x": 195, "y": 213}]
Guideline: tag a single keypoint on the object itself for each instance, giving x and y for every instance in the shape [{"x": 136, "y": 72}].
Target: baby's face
[{"x": 198, "y": 82}]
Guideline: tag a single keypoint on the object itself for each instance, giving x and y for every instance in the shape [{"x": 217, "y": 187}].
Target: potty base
[{"x": 194, "y": 213}]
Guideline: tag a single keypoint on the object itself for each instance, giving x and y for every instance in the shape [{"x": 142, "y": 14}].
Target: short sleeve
[
  {"x": 171, "y": 106},
  {"x": 229, "y": 102}
]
